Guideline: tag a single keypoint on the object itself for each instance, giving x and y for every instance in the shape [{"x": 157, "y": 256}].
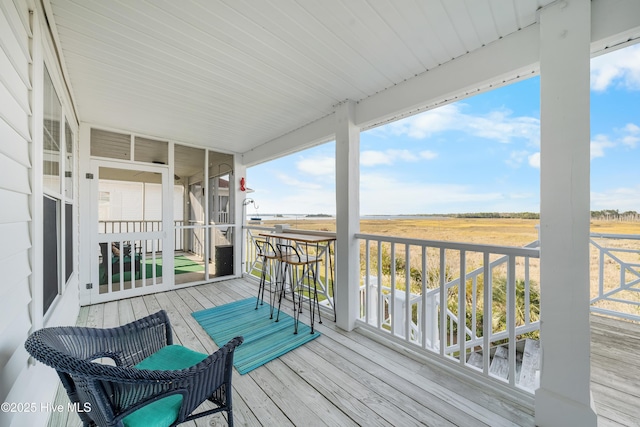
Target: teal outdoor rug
[{"x": 264, "y": 338}]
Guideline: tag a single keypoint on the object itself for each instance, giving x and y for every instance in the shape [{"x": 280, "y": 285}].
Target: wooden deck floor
[
  {"x": 615, "y": 371},
  {"x": 346, "y": 379}
]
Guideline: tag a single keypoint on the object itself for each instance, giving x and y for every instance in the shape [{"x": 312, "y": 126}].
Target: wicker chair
[{"x": 152, "y": 383}]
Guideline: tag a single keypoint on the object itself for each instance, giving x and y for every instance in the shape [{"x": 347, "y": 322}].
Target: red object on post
[{"x": 242, "y": 184}]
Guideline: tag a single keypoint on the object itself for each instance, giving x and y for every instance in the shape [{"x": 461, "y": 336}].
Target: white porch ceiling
[{"x": 233, "y": 75}]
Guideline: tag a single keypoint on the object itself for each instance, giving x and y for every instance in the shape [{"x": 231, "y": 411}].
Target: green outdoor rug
[
  {"x": 181, "y": 263},
  {"x": 264, "y": 338}
]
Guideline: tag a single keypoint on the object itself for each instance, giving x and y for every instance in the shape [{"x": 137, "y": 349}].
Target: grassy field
[
  {"x": 497, "y": 231},
  {"x": 501, "y": 231}
]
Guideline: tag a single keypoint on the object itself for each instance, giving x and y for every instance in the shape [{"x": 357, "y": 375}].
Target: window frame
[{"x": 65, "y": 193}]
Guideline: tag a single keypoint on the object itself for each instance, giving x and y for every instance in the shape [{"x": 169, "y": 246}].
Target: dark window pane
[
  {"x": 50, "y": 252},
  {"x": 68, "y": 241}
]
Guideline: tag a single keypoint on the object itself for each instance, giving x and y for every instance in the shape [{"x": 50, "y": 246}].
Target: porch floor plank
[
  {"x": 347, "y": 378},
  {"x": 615, "y": 371}
]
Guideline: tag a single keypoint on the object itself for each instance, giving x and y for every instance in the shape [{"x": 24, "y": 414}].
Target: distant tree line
[
  {"x": 615, "y": 215},
  {"x": 521, "y": 215},
  {"x": 603, "y": 215}
]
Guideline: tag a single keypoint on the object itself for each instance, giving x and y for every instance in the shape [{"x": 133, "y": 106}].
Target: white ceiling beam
[
  {"x": 514, "y": 54},
  {"x": 448, "y": 78},
  {"x": 613, "y": 22},
  {"x": 318, "y": 132}
]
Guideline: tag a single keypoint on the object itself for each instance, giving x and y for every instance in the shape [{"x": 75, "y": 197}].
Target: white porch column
[
  {"x": 236, "y": 199},
  {"x": 564, "y": 397},
  {"x": 347, "y": 216}
]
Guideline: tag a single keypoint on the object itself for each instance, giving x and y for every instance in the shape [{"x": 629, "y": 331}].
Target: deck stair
[{"x": 527, "y": 362}]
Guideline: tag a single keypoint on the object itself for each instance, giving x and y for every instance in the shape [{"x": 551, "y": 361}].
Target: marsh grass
[{"x": 493, "y": 231}]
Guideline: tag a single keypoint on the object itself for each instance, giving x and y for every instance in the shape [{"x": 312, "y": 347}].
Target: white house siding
[
  {"x": 15, "y": 193},
  {"x": 22, "y": 381},
  {"x": 121, "y": 200},
  {"x": 136, "y": 201}
]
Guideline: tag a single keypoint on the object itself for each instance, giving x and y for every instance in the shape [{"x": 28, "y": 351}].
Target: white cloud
[
  {"x": 391, "y": 156},
  {"x": 623, "y": 199},
  {"x": 630, "y": 141},
  {"x": 603, "y": 76},
  {"x": 620, "y": 68},
  {"x": 293, "y": 182},
  {"x": 404, "y": 155},
  {"x": 317, "y": 166},
  {"x": 428, "y": 154},
  {"x": 426, "y": 124},
  {"x": 534, "y": 160},
  {"x": 374, "y": 158},
  {"x": 298, "y": 201},
  {"x": 383, "y": 194},
  {"x": 516, "y": 158},
  {"x": 598, "y": 145},
  {"x": 497, "y": 125},
  {"x": 631, "y": 136},
  {"x": 597, "y": 149},
  {"x": 500, "y": 126},
  {"x": 628, "y": 135},
  {"x": 632, "y": 128},
  {"x": 523, "y": 195}
]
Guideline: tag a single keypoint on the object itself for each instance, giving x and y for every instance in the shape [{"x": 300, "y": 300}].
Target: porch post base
[{"x": 556, "y": 410}]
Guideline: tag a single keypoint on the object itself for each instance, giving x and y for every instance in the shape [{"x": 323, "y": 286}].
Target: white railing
[
  {"x": 615, "y": 283},
  {"x": 128, "y": 261},
  {"x": 189, "y": 236},
  {"x": 125, "y": 226},
  {"x": 221, "y": 217},
  {"x": 405, "y": 282},
  {"x": 140, "y": 226},
  {"x": 430, "y": 295},
  {"x": 251, "y": 263}
]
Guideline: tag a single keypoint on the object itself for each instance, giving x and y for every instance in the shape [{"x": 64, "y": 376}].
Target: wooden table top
[{"x": 305, "y": 238}]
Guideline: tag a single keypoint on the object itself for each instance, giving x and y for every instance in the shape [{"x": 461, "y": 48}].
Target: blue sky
[{"x": 480, "y": 154}]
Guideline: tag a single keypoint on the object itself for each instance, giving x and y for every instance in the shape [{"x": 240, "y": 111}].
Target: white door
[{"x": 133, "y": 230}]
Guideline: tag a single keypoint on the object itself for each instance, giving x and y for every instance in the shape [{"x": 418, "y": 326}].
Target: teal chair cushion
[{"x": 163, "y": 412}]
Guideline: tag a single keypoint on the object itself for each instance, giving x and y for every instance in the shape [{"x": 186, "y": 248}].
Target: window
[
  {"x": 69, "y": 164},
  {"x": 51, "y": 137},
  {"x": 58, "y": 149}
]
